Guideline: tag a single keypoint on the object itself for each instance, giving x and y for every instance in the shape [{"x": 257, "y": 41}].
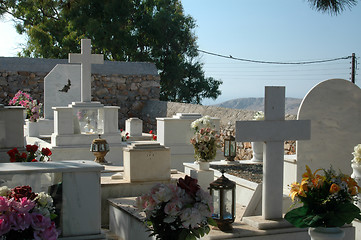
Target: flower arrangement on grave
[
  {"x": 357, "y": 155},
  {"x": 327, "y": 200},
  {"x": 124, "y": 135},
  {"x": 33, "y": 154},
  {"x": 258, "y": 116},
  {"x": 26, "y": 215},
  {"x": 154, "y": 137},
  {"x": 32, "y": 107},
  {"x": 181, "y": 211},
  {"x": 205, "y": 140}
]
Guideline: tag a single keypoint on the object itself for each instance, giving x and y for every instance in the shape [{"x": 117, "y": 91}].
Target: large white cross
[
  {"x": 273, "y": 131},
  {"x": 86, "y": 59}
]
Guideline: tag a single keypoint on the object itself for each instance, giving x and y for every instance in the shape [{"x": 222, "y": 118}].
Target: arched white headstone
[{"x": 334, "y": 108}]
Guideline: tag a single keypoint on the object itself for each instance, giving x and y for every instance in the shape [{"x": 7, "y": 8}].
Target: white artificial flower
[
  {"x": 259, "y": 116},
  {"x": 44, "y": 199},
  {"x": 191, "y": 218},
  {"x": 357, "y": 154},
  {"x": 5, "y": 191}
]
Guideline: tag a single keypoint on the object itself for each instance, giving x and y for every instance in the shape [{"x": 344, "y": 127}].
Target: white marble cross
[
  {"x": 273, "y": 131},
  {"x": 86, "y": 59}
]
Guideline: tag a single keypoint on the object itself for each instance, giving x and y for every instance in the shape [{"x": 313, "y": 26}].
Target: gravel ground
[{"x": 251, "y": 172}]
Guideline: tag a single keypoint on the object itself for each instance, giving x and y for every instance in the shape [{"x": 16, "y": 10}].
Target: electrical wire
[{"x": 271, "y": 62}]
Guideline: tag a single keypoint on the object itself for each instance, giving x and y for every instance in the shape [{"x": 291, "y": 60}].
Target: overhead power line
[{"x": 271, "y": 62}]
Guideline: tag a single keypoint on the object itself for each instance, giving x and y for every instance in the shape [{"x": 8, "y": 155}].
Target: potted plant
[
  {"x": 257, "y": 147},
  {"x": 327, "y": 203},
  {"x": 178, "y": 212},
  {"x": 205, "y": 142}
]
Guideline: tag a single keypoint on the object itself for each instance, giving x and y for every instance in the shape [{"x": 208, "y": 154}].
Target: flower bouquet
[
  {"x": 327, "y": 200},
  {"x": 26, "y": 215},
  {"x": 205, "y": 143},
  {"x": 34, "y": 154},
  {"x": 181, "y": 211}
]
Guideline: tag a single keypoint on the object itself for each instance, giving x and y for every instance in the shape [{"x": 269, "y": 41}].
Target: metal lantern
[
  {"x": 99, "y": 147},
  {"x": 229, "y": 147},
  {"x": 223, "y": 192}
]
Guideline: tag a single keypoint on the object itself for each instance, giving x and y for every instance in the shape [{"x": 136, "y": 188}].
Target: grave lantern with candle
[{"x": 223, "y": 192}]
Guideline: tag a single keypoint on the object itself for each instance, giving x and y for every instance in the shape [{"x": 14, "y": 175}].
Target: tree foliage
[
  {"x": 128, "y": 30},
  {"x": 332, "y": 6}
]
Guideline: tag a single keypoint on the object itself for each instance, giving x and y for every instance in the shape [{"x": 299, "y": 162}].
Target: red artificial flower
[
  {"x": 121, "y": 130},
  {"x": 154, "y": 137},
  {"x": 190, "y": 185},
  {"x": 34, "y": 160},
  {"x": 46, "y": 152},
  {"x": 31, "y": 148},
  {"x": 13, "y": 152},
  {"x": 23, "y": 156},
  {"x": 20, "y": 192},
  {"x": 127, "y": 137},
  {"x": 151, "y": 131}
]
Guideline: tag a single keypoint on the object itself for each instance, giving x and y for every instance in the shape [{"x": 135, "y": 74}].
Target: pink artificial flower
[
  {"x": 4, "y": 204},
  {"x": 40, "y": 222},
  {"x": 4, "y": 224},
  {"x": 49, "y": 233},
  {"x": 24, "y": 205},
  {"x": 172, "y": 208},
  {"x": 20, "y": 221}
]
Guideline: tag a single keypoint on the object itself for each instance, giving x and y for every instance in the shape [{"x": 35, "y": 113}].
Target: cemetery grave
[{"x": 96, "y": 196}]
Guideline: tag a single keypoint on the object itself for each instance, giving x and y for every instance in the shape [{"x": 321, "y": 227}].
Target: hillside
[{"x": 257, "y": 104}]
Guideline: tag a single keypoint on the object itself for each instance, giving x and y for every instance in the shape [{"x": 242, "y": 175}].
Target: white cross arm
[
  {"x": 265, "y": 131},
  {"x": 79, "y": 58},
  {"x": 97, "y": 59}
]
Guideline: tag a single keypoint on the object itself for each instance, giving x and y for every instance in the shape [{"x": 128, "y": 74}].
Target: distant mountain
[{"x": 257, "y": 104}]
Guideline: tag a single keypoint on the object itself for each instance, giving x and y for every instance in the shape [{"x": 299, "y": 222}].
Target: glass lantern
[
  {"x": 229, "y": 147},
  {"x": 223, "y": 192},
  {"x": 100, "y": 147}
]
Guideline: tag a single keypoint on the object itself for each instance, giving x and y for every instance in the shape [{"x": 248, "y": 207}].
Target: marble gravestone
[
  {"x": 61, "y": 87},
  {"x": 333, "y": 106},
  {"x": 274, "y": 130}
]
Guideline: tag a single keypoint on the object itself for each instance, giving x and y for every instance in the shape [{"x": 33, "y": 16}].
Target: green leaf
[
  {"x": 314, "y": 220},
  {"x": 296, "y": 217},
  {"x": 190, "y": 236},
  {"x": 196, "y": 232},
  {"x": 207, "y": 229},
  {"x": 212, "y": 222},
  {"x": 345, "y": 213}
]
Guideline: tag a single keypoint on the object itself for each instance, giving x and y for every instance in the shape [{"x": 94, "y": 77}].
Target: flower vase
[
  {"x": 203, "y": 166},
  {"x": 32, "y": 129},
  {"x": 257, "y": 148},
  {"x": 356, "y": 174},
  {"x": 321, "y": 233}
]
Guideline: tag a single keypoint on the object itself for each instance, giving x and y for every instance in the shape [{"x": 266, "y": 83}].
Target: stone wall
[
  {"x": 154, "y": 109},
  {"x": 123, "y": 84}
]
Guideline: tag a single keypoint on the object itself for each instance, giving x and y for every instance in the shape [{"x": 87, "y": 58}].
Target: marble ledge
[{"x": 49, "y": 167}]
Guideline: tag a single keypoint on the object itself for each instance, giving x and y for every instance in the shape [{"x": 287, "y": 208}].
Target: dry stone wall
[{"x": 123, "y": 84}]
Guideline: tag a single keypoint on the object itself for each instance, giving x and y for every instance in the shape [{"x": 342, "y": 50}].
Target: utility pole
[{"x": 353, "y": 67}]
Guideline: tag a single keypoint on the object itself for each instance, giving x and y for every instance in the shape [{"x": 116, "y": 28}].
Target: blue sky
[{"x": 277, "y": 30}]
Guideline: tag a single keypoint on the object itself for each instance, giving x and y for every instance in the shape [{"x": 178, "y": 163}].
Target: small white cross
[
  {"x": 86, "y": 59},
  {"x": 273, "y": 132}
]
